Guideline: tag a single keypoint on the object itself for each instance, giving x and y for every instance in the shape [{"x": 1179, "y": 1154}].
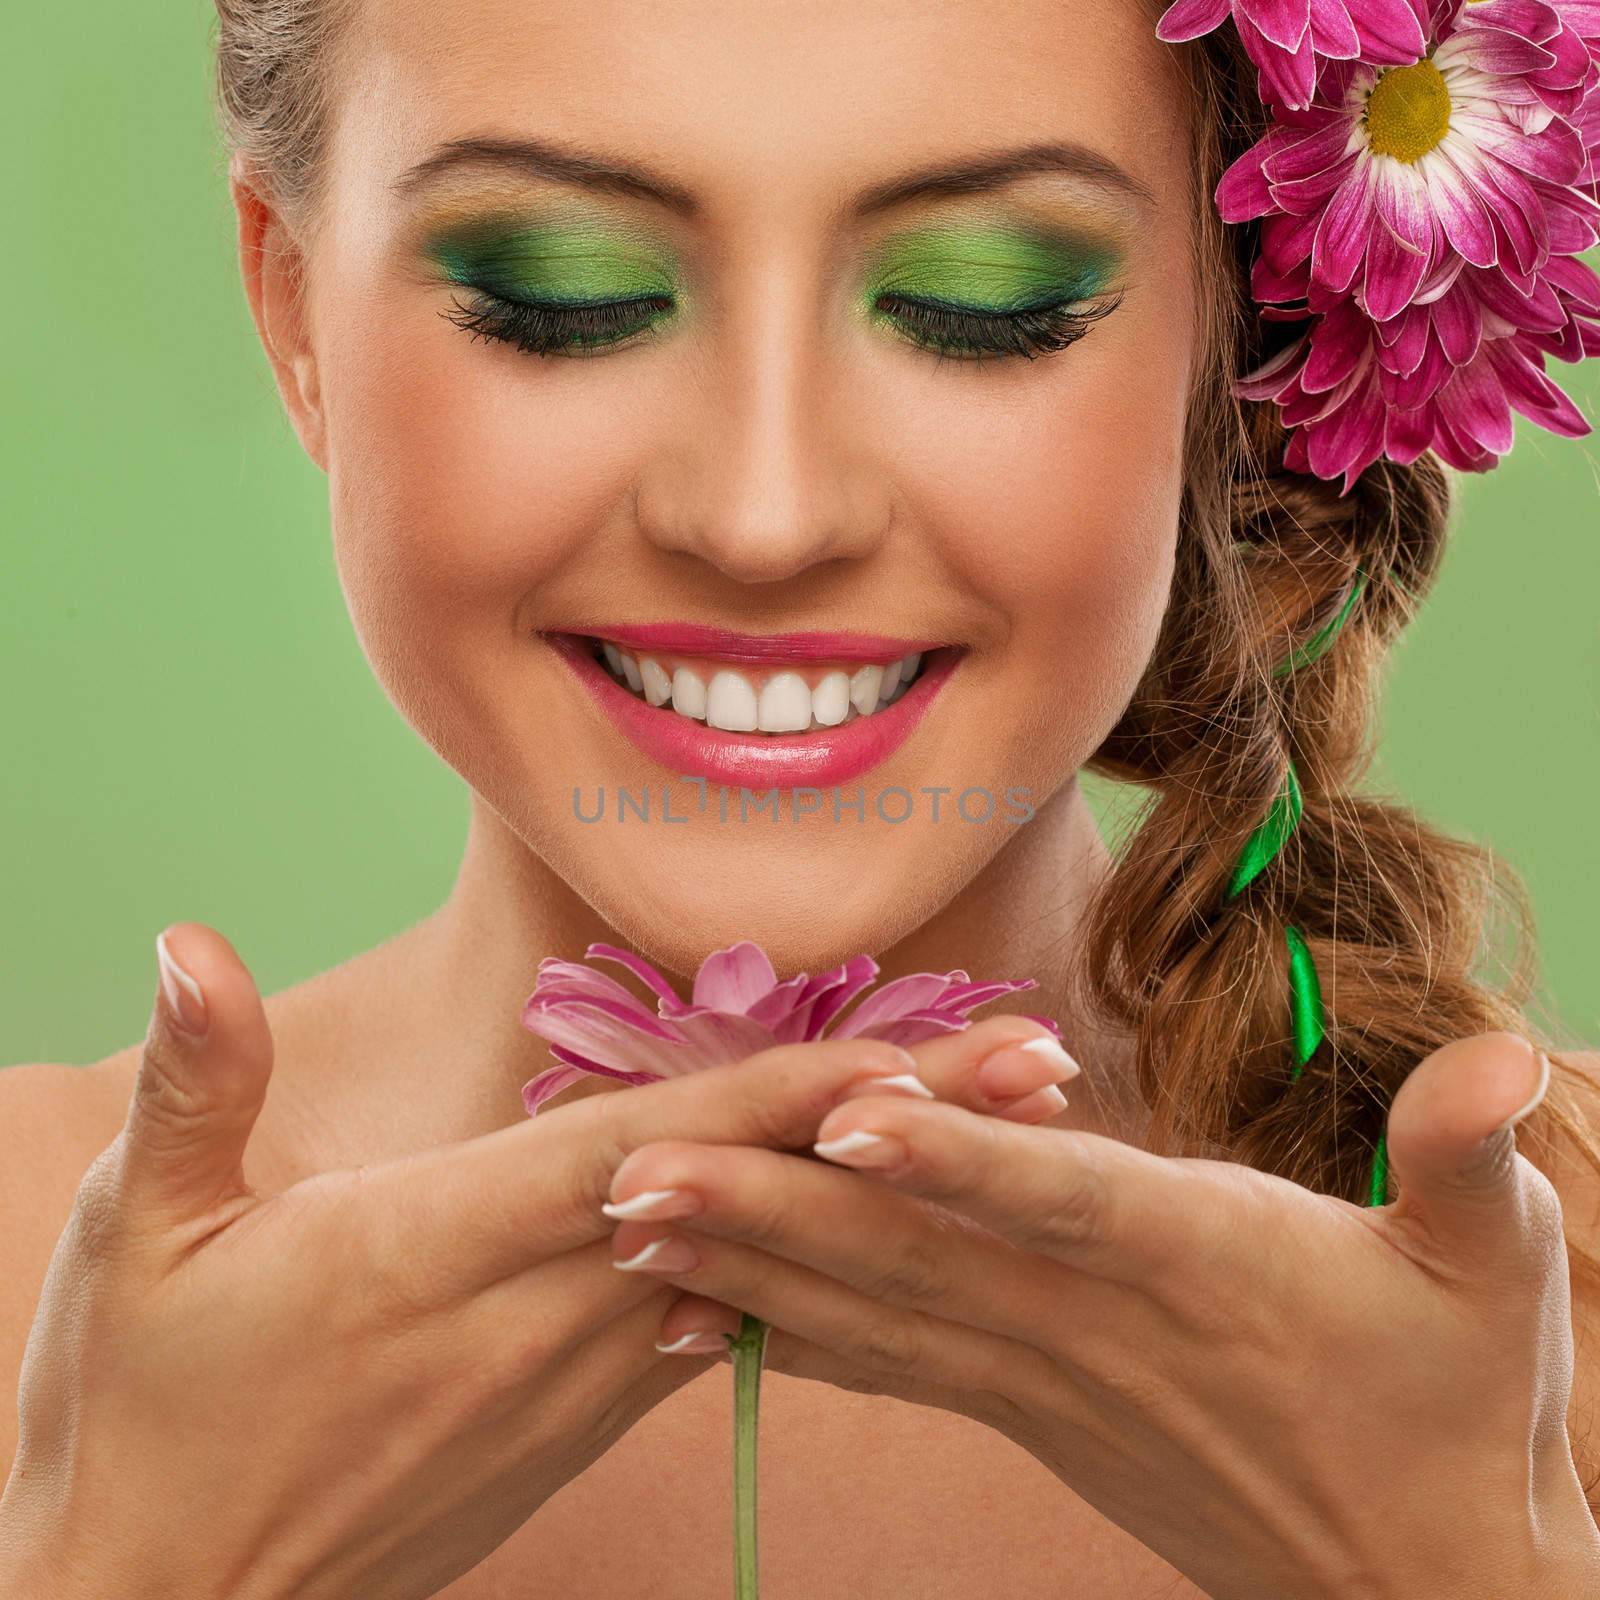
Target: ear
[{"x": 273, "y": 264}]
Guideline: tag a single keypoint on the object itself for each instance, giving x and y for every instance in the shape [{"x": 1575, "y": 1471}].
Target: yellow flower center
[{"x": 1408, "y": 112}]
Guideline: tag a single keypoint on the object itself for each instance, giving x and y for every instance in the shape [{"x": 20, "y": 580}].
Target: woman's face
[{"x": 776, "y": 404}]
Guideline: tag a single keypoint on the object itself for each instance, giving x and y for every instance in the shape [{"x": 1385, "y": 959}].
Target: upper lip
[{"x": 723, "y": 644}]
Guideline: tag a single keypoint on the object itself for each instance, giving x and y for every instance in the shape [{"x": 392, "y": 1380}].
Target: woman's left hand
[{"x": 1279, "y": 1392}]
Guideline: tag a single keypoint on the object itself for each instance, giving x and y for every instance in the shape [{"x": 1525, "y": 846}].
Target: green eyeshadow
[
  {"x": 994, "y": 267},
  {"x": 556, "y": 262}
]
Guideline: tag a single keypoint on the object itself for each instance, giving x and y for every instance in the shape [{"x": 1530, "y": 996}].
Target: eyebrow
[{"x": 561, "y": 163}]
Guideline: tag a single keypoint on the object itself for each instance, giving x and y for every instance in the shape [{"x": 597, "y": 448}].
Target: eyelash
[{"x": 949, "y": 331}]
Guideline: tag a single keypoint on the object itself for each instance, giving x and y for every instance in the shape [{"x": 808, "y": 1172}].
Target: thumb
[
  {"x": 1452, "y": 1137},
  {"x": 202, "y": 1077}
]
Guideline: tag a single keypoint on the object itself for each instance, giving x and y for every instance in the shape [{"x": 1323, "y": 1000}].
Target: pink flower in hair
[
  {"x": 1398, "y": 178},
  {"x": 596, "y": 1025},
  {"x": 1427, "y": 220},
  {"x": 1445, "y": 376},
  {"x": 1290, "y": 39}
]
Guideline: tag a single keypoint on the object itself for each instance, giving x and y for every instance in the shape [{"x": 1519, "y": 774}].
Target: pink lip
[
  {"x": 821, "y": 758},
  {"x": 758, "y": 649}
]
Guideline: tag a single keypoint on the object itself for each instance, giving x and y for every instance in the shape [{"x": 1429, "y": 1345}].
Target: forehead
[{"x": 781, "y": 104}]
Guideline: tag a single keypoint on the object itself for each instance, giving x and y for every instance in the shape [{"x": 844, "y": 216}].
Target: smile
[
  {"x": 773, "y": 711},
  {"x": 775, "y": 700}
]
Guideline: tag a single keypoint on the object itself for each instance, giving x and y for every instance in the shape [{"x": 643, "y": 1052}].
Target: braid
[
  {"x": 1305, "y": 993},
  {"x": 1258, "y": 871}
]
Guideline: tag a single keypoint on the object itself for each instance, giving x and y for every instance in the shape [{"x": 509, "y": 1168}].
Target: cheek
[
  {"x": 462, "y": 477},
  {"x": 1061, "y": 513}
]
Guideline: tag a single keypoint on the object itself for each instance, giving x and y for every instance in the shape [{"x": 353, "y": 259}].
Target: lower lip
[{"x": 823, "y": 757}]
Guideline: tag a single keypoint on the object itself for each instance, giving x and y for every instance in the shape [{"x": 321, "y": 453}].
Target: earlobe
[{"x": 273, "y": 266}]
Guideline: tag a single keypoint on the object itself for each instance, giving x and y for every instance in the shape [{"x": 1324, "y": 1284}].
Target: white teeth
[
  {"x": 785, "y": 705},
  {"x": 830, "y": 700},
  {"x": 688, "y": 693},
  {"x": 864, "y": 683},
  {"x": 731, "y": 703},
  {"x": 657, "y": 685}
]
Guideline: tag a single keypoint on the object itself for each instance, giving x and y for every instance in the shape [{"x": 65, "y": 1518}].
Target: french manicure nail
[
  {"x": 1541, "y": 1084},
  {"x": 1021, "y": 1068},
  {"x": 901, "y": 1083},
  {"x": 1048, "y": 1046},
  {"x": 694, "y": 1343},
  {"x": 670, "y": 1253},
  {"x": 659, "y": 1205},
  {"x": 1038, "y": 1107},
  {"x": 863, "y": 1149},
  {"x": 186, "y": 1003}
]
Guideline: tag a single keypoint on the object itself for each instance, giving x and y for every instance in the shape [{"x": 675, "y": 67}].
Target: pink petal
[
  {"x": 1243, "y": 192},
  {"x": 1276, "y": 376},
  {"x": 1534, "y": 394},
  {"x": 1408, "y": 433},
  {"x": 1049, "y": 1022},
  {"x": 716, "y": 1038},
  {"x": 734, "y": 979},
  {"x": 1342, "y": 235},
  {"x": 1332, "y": 31},
  {"x": 1475, "y": 402},
  {"x": 539, "y": 1089},
  {"x": 852, "y": 977},
  {"x": 1189, "y": 19},
  {"x": 1284, "y": 23},
  {"x": 1391, "y": 33},
  {"x": 1285, "y": 78},
  {"x": 1461, "y": 212},
  {"x": 637, "y": 965},
  {"x": 1458, "y": 321},
  {"x": 1337, "y": 344}
]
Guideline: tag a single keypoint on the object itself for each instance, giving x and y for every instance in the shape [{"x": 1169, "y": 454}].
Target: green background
[{"x": 190, "y": 730}]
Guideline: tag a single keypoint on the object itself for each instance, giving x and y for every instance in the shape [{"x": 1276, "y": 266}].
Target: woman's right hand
[{"x": 362, "y": 1385}]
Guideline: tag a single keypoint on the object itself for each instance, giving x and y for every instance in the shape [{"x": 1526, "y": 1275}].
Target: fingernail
[
  {"x": 863, "y": 1149},
  {"x": 1021, "y": 1068},
  {"x": 670, "y": 1253},
  {"x": 186, "y": 1004},
  {"x": 1038, "y": 1107},
  {"x": 656, "y": 1205},
  {"x": 902, "y": 1083},
  {"x": 1541, "y": 1083},
  {"x": 695, "y": 1344}
]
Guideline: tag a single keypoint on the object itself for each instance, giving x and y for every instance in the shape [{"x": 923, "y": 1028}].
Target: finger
[
  {"x": 513, "y": 1197},
  {"x": 1452, "y": 1146},
  {"x": 1093, "y": 1202},
  {"x": 201, "y": 1080},
  {"x": 890, "y": 1339},
  {"x": 994, "y": 1066},
  {"x": 552, "y": 1308},
  {"x": 895, "y": 1249},
  {"x": 696, "y": 1326}
]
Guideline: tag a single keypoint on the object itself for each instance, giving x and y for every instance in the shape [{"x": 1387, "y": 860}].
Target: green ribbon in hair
[{"x": 1262, "y": 848}]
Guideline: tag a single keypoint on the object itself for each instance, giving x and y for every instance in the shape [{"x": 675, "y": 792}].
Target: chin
[{"x": 808, "y": 909}]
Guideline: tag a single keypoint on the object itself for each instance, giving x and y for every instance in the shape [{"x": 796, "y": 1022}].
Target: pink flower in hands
[{"x": 595, "y": 1025}]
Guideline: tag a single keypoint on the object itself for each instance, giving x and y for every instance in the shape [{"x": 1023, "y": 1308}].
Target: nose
[{"x": 764, "y": 467}]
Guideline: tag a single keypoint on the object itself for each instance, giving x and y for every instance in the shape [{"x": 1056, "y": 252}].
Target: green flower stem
[{"x": 749, "y": 1348}]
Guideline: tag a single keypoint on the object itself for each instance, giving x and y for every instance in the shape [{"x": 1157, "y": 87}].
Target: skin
[
  {"x": 773, "y": 457},
  {"x": 776, "y": 454}
]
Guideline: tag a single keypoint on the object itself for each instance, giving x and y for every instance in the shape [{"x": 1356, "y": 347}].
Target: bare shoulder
[{"x": 54, "y": 1120}]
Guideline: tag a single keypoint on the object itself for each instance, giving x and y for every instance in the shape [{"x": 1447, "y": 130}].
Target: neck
[{"x": 434, "y": 1015}]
